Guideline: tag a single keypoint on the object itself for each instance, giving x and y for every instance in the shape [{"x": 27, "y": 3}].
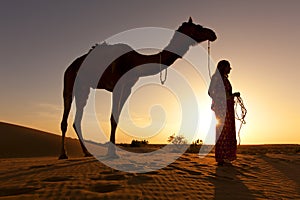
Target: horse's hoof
[
  {"x": 112, "y": 156},
  {"x": 88, "y": 154},
  {"x": 63, "y": 157}
]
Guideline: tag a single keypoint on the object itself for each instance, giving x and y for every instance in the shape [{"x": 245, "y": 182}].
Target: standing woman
[{"x": 220, "y": 91}]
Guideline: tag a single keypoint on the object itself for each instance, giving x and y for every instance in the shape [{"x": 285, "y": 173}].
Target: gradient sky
[{"x": 39, "y": 39}]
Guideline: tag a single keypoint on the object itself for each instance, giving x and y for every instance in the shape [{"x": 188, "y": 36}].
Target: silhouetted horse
[{"x": 112, "y": 73}]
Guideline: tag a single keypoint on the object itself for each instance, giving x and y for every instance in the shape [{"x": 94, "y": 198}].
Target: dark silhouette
[
  {"x": 226, "y": 178},
  {"x": 117, "y": 69},
  {"x": 220, "y": 91}
]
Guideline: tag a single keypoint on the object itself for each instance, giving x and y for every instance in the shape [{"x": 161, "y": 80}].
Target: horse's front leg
[{"x": 120, "y": 96}]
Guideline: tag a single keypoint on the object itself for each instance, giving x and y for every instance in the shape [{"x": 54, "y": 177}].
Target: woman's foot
[
  {"x": 63, "y": 156},
  {"x": 220, "y": 163},
  {"x": 227, "y": 161}
]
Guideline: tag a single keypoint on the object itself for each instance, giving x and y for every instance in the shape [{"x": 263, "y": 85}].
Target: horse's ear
[{"x": 190, "y": 20}]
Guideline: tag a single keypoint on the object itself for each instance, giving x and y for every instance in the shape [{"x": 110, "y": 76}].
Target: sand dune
[
  {"x": 17, "y": 141},
  {"x": 270, "y": 176},
  {"x": 260, "y": 172}
]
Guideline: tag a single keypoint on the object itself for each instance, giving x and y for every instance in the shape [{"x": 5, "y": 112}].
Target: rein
[
  {"x": 208, "y": 58},
  {"x": 162, "y": 80}
]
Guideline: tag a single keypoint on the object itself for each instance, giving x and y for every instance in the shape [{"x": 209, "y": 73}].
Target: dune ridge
[{"x": 18, "y": 141}]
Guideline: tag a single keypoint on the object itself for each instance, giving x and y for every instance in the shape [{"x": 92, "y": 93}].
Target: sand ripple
[{"x": 268, "y": 176}]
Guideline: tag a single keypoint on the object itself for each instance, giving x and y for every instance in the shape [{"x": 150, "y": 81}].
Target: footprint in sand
[
  {"x": 39, "y": 166},
  {"x": 116, "y": 177},
  {"x": 17, "y": 190},
  {"x": 189, "y": 171},
  {"x": 183, "y": 159},
  {"x": 192, "y": 172},
  {"x": 57, "y": 178},
  {"x": 168, "y": 168},
  {"x": 153, "y": 173},
  {"x": 105, "y": 187},
  {"x": 180, "y": 169},
  {"x": 201, "y": 165},
  {"x": 139, "y": 179}
]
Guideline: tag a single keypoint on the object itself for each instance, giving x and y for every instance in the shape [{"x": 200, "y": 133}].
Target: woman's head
[{"x": 224, "y": 67}]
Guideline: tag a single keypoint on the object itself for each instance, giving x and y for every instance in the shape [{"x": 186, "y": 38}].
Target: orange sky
[{"x": 259, "y": 38}]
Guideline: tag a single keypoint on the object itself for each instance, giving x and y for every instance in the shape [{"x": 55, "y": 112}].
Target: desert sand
[{"x": 260, "y": 172}]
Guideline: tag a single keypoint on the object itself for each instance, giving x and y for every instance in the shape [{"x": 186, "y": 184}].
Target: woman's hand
[{"x": 236, "y": 94}]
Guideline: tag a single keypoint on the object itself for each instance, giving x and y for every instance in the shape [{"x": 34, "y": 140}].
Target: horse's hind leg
[
  {"x": 64, "y": 125},
  {"x": 81, "y": 100},
  {"x": 67, "y": 97}
]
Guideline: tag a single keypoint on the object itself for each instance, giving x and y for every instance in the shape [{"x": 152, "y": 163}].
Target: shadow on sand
[{"x": 228, "y": 185}]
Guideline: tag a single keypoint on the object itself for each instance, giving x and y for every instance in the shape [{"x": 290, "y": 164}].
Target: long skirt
[{"x": 226, "y": 143}]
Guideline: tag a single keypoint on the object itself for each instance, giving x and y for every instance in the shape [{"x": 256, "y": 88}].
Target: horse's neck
[{"x": 179, "y": 44}]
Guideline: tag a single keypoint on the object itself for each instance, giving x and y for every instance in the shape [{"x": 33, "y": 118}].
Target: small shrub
[
  {"x": 195, "y": 146},
  {"x": 137, "y": 143},
  {"x": 178, "y": 139}
]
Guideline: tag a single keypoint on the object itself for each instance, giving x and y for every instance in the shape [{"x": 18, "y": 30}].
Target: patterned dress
[{"x": 220, "y": 91}]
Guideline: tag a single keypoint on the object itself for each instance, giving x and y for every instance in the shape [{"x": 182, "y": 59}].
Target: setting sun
[{"x": 125, "y": 99}]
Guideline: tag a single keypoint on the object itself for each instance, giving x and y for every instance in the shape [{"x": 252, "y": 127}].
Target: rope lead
[
  {"x": 241, "y": 118},
  {"x": 208, "y": 58}
]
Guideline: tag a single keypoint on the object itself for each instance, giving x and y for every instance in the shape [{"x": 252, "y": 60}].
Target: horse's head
[{"x": 197, "y": 32}]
